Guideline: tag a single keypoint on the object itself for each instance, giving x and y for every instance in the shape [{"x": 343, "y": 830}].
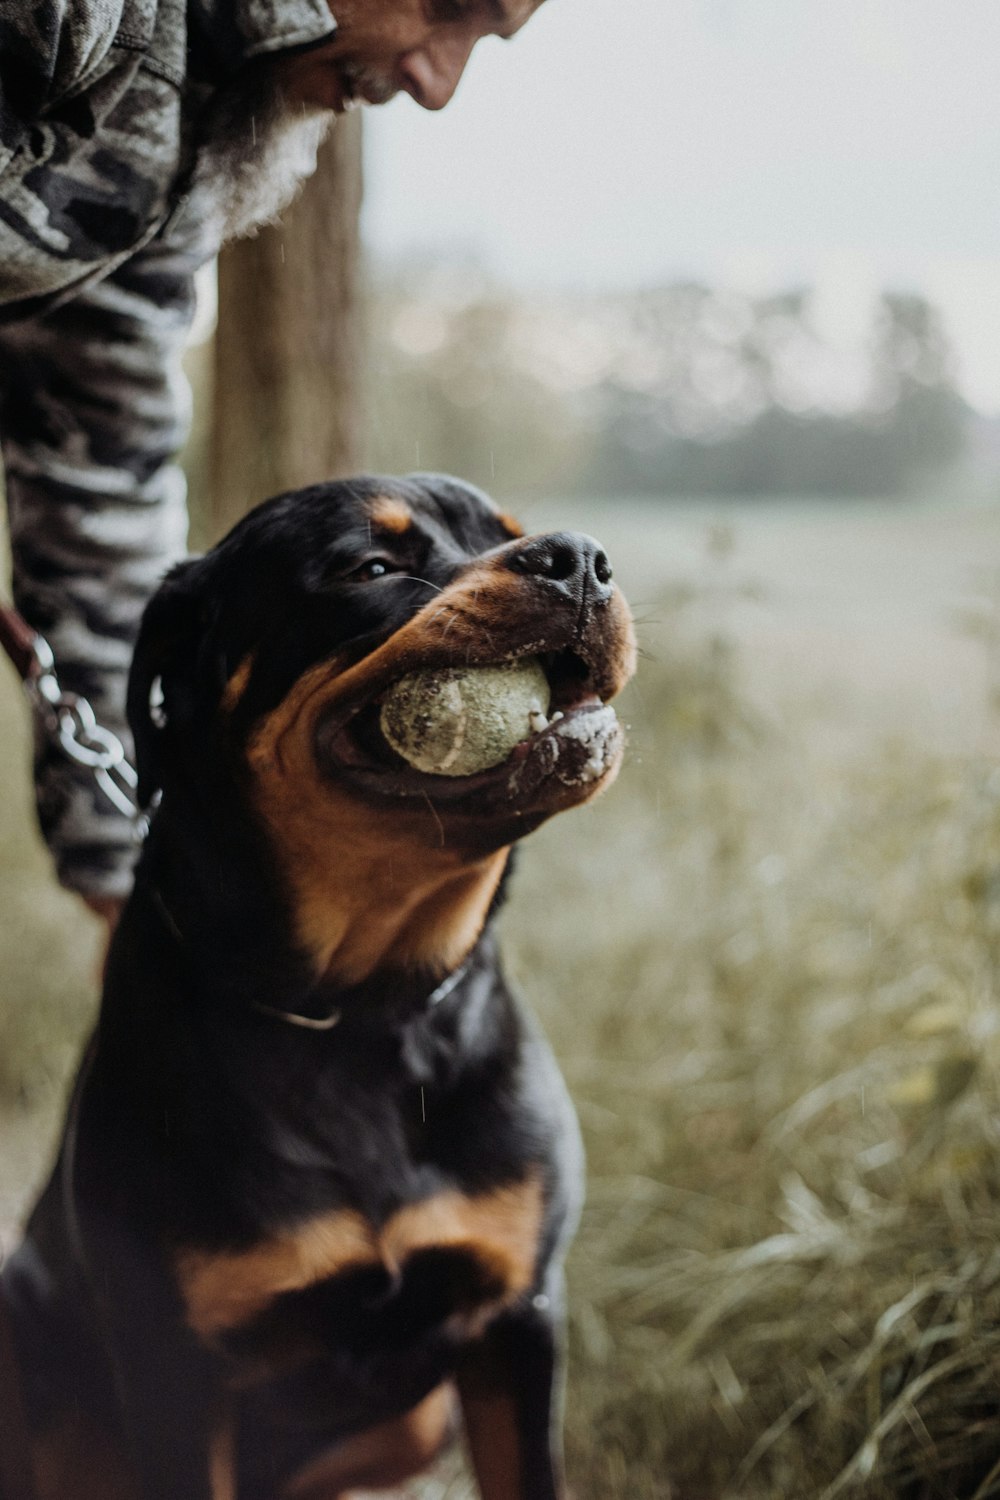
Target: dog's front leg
[
  {"x": 510, "y": 1389},
  {"x": 168, "y": 1386},
  {"x": 175, "y": 1427}
]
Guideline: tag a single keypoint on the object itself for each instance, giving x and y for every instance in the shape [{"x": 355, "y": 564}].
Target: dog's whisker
[
  {"x": 436, "y": 816},
  {"x": 412, "y": 578}
]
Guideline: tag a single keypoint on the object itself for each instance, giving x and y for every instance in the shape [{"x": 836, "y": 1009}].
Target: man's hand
[{"x": 109, "y": 909}]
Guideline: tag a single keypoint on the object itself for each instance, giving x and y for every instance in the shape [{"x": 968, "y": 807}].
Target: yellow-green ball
[{"x": 454, "y": 722}]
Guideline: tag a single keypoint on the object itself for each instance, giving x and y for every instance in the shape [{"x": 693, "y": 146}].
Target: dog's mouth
[{"x": 569, "y": 753}]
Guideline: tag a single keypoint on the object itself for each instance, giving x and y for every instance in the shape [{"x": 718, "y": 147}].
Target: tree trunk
[{"x": 288, "y": 350}]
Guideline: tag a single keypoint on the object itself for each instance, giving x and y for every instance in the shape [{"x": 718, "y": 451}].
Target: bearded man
[{"x": 135, "y": 137}]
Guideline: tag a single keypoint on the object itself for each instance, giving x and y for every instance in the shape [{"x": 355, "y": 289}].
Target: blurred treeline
[{"x": 683, "y": 389}]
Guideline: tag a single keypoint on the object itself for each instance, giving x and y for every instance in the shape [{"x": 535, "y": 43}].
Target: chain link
[{"x": 70, "y": 721}]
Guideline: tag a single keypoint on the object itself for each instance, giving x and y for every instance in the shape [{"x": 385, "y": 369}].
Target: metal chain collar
[{"x": 71, "y": 723}]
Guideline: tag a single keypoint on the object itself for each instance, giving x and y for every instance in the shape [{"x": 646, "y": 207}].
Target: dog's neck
[
  {"x": 367, "y": 892},
  {"x": 367, "y": 887},
  {"x": 274, "y": 907},
  {"x": 354, "y": 916}
]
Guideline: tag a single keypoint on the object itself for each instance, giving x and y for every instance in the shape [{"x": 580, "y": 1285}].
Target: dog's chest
[{"x": 444, "y": 1264}]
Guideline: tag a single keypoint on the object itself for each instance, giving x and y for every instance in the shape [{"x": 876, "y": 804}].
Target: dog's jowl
[{"x": 320, "y": 1172}]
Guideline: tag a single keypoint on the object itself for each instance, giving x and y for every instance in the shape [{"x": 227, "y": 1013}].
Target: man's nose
[{"x": 430, "y": 74}]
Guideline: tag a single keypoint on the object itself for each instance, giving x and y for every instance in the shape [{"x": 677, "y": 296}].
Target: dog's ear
[{"x": 167, "y": 680}]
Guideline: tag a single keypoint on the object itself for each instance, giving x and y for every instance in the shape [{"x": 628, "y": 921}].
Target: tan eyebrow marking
[
  {"x": 237, "y": 684},
  {"x": 510, "y": 525},
  {"x": 391, "y": 513}
]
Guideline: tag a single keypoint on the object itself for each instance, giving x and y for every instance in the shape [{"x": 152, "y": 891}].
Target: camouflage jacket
[{"x": 101, "y": 121}]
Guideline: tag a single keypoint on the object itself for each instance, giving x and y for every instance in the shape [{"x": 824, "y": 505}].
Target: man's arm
[
  {"x": 89, "y": 138},
  {"x": 94, "y": 409}
]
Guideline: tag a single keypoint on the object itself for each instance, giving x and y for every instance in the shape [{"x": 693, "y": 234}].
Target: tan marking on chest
[{"x": 223, "y": 1290}]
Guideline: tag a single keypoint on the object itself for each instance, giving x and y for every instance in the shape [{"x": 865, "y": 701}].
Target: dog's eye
[{"x": 372, "y": 568}]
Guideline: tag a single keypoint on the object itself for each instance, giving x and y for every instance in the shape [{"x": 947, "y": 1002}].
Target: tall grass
[
  {"x": 770, "y": 975},
  {"x": 771, "y": 979}
]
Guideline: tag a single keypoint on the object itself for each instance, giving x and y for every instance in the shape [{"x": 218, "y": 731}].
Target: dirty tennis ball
[{"x": 456, "y": 721}]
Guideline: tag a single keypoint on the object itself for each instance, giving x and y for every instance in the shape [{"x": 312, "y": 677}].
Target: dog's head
[{"x": 260, "y": 669}]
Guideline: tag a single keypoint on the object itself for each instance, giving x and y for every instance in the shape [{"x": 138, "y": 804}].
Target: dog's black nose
[{"x": 575, "y": 564}]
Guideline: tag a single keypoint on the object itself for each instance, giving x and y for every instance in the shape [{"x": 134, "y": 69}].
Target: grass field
[{"x": 768, "y": 961}]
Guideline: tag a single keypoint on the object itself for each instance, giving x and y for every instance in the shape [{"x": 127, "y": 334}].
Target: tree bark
[{"x": 288, "y": 350}]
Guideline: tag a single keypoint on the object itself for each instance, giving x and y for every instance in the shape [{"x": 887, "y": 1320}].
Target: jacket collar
[{"x": 240, "y": 30}]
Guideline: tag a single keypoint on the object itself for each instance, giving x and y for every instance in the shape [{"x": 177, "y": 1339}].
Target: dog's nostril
[
  {"x": 546, "y": 561},
  {"x": 603, "y": 571},
  {"x": 558, "y": 558},
  {"x": 561, "y": 562}
]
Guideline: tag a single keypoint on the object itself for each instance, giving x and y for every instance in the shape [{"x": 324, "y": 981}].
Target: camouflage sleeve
[
  {"x": 90, "y": 133},
  {"x": 94, "y": 408}
]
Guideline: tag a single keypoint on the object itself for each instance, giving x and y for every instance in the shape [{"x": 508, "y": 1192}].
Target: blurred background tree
[
  {"x": 679, "y": 390},
  {"x": 289, "y": 344}
]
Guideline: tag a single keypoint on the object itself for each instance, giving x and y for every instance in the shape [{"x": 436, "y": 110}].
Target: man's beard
[{"x": 257, "y": 149}]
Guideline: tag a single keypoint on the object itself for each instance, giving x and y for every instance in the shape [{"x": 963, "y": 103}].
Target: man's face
[{"x": 384, "y": 47}]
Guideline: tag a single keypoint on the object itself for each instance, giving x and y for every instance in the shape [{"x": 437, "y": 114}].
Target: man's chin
[{"x": 261, "y": 147}]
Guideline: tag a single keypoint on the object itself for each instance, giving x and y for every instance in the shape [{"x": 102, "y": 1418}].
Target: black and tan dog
[{"x": 320, "y": 1171}]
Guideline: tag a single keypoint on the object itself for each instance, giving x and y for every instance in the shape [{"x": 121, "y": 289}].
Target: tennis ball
[{"x": 454, "y": 721}]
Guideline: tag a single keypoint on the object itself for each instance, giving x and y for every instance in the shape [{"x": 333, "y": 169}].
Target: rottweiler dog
[{"x": 320, "y": 1171}]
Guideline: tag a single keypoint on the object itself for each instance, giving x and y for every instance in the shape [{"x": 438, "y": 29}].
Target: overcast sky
[{"x": 852, "y": 143}]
